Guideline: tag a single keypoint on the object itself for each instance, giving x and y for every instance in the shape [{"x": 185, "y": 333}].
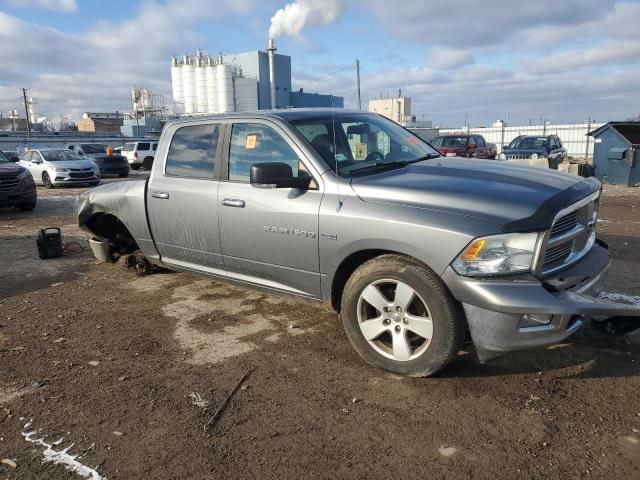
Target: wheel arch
[
  {"x": 108, "y": 226},
  {"x": 351, "y": 263}
]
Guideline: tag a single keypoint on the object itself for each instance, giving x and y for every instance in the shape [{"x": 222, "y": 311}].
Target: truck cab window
[
  {"x": 257, "y": 143},
  {"x": 192, "y": 152}
]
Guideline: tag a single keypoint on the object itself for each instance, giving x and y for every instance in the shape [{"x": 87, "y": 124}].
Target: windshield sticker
[
  {"x": 250, "y": 142},
  {"x": 340, "y": 157},
  {"x": 412, "y": 140}
]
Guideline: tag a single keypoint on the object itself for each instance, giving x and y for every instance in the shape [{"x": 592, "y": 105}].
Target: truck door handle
[
  {"x": 233, "y": 202},
  {"x": 161, "y": 195}
]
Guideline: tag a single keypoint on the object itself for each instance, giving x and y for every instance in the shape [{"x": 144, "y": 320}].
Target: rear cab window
[
  {"x": 193, "y": 151},
  {"x": 143, "y": 146}
]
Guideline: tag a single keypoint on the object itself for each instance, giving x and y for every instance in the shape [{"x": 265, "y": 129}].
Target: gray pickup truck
[{"x": 412, "y": 249}]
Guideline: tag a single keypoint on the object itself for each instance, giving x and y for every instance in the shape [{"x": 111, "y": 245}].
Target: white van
[{"x": 140, "y": 154}]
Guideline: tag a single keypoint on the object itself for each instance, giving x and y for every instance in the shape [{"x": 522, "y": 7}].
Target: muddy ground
[{"x": 114, "y": 364}]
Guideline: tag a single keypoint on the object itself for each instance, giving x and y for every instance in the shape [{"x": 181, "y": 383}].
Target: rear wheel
[
  {"x": 46, "y": 180},
  {"x": 148, "y": 163},
  {"x": 400, "y": 317},
  {"x": 135, "y": 166}
]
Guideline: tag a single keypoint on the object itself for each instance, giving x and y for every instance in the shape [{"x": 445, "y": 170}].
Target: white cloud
[
  {"x": 448, "y": 58},
  {"x": 63, "y": 5}
]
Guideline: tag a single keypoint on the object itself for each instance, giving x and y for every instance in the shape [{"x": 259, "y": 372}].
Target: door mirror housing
[{"x": 276, "y": 175}]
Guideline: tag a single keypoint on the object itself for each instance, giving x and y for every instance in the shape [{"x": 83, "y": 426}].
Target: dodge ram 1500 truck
[{"x": 412, "y": 249}]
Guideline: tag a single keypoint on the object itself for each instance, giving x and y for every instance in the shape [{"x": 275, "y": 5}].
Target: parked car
[
  {"x": 348, "y": 208},
  {"x": 471, "y": 146},
  {"x": 17, "y": 188},
  {"x": 534, "y": 150},
  {"x": 140, "y": 154},
  {"x": 59, "y": 166},
  {"x": 114, "y": 164},
  {"x": 12, "y": 156}
]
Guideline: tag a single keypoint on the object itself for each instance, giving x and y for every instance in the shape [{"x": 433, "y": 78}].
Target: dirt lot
[{"x": 111, "y": 363}]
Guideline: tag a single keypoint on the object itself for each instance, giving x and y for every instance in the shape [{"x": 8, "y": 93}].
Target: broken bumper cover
[{"x": 523, "y": 313}]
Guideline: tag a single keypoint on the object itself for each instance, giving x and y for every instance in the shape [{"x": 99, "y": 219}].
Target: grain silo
[
  {"x": 176, "y": 81},
  {"x": 188, "y": 82},
  {"x": 201, "y": 84},
  {"x": 226, "y": 101},
  {"x": 212, "y": 87}
]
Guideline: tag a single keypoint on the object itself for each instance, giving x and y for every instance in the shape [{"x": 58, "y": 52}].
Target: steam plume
[{"x": 295, "y": 16}]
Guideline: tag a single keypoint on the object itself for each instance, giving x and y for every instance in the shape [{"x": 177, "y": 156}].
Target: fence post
[{"x": 586, "y": 151}]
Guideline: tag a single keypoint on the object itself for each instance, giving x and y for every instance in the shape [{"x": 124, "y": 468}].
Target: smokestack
[{"x": 272, "y": 71}]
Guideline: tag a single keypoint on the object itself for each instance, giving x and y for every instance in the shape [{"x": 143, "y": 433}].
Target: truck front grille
[
  {"x": 521, "y": 156},
  {"x": 8, "y": 184},
  {"x": 571, "y": 236}
]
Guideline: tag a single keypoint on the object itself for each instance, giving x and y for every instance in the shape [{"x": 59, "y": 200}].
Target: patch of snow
[
  {"x": 615, "y": 297},
  {"x": 61, "y": 457}
]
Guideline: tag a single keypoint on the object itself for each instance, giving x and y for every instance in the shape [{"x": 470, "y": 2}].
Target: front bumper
[
  {"x": 524, "y": 312},
  {"x": 24, "y": 194},
  {"x": 114, "y": 169},
  {"x": 67, "y": 179}
]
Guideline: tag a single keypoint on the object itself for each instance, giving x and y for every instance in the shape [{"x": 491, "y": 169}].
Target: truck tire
[
  {"x": 136, "y": 166},
  {"x": 147, "y": 163},
  {"x": 416, "y": 333}
]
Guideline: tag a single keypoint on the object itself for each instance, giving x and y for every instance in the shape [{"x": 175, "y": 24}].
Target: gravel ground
[{"x": 128, "y": 371}]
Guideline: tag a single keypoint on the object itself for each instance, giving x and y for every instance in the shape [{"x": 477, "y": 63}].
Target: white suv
[{"x": 140, "y": 154}]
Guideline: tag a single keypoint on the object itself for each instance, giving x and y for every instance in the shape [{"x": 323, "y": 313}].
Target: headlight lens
[
  {"x": 534, "y": 156},
  {"x": 24, "y": 174},
  {"x": 498, "y": 255},
  {"x": 502, "y": 156},
  {"x": 60, "y": 170}
]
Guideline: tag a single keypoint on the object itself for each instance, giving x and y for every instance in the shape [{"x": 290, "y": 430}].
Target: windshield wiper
[
  {"x": 428, "y": 156},
  {"x": 378, "y": 165}
]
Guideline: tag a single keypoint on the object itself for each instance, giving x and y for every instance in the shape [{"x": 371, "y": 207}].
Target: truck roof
[{"x": 286, "y": 114}]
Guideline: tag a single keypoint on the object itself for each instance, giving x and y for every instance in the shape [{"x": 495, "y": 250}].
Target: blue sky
[{"x": 561, "y": 61}]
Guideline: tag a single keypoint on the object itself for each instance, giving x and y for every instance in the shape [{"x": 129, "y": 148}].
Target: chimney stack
[{"x": 272, "y": 71}]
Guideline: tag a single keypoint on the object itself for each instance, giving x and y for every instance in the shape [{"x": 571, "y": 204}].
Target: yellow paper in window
[
  {"x": 361, "y": 151},
  {"x": 250, "y": 142}
]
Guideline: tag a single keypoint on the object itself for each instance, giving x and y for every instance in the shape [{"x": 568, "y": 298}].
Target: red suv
[{"x": 472, "y": 146}]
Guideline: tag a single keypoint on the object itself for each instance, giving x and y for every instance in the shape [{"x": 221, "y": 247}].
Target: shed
[{"x": 616, "y": 156}]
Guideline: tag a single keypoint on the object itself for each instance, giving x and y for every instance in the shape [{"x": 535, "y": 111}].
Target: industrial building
[
  {"x": 100, "y": 122},
  {"x": 616, "y": 155},
  {"x": 397, "y": 108},
  {"x": 255, "y": 80}
]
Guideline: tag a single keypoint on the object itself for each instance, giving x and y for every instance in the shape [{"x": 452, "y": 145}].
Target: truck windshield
[
  {"x": 449, "y": 142},
  {"x": 129, "y": 147},
  {"x": 360, "y": 143},
  {"x": 90, "y": 148},
  {"x": 529, "y": 143},
  {"x": 61, "y": 155}
]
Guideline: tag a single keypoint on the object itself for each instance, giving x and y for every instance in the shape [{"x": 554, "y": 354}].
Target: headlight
[
  {"x": 534, "y": 156},
  {"x": 502, "y": 156},
  {"x": 498, "y": 255},
  {"x": 24, "y": 174},
  {"x": 60, "y": 170}
]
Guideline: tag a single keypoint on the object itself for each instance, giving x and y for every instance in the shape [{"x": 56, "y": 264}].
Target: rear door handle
[
  {"x": 233, "y": 202},
  {"x": 161, "y": 195}
]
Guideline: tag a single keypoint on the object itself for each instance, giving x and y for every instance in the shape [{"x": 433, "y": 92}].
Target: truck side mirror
[{"x": 276, "y": 175}]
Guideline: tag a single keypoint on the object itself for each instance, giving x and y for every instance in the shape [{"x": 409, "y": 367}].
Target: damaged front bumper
[{"x": 524, "y": 312}]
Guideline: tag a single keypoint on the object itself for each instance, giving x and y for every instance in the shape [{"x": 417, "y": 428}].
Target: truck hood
[{"x": 518, "y": 198}]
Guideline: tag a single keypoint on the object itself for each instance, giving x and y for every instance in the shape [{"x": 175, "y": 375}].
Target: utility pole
[
  {"x": 358, "y": 83},
  {"x": 26, "y": 111}
]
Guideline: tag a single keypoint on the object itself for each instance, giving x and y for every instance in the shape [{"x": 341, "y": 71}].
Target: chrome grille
[
  {"x": 8, "y": 184},
  {"x": 513, "y": 156},
  {"x": 571, "y": 236},
  {"x": 565, "y": 223}
]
